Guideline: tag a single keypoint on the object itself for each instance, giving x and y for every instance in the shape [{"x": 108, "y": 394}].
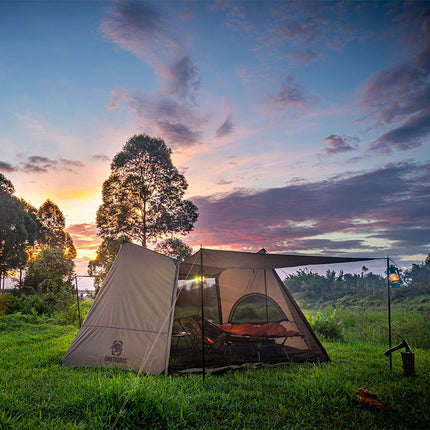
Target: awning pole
[
  {"x": 265, "y": 293},
  {"x": 77, "y": 299},
  {"x": 203, "y": 315},
  {"x": 389, "y": 309}
]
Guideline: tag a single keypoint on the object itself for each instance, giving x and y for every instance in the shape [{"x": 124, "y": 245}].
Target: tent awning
[{"x": 215, "y": 261}]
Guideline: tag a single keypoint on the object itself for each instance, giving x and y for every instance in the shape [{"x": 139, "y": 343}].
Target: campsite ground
[{"x": 38, "y": 392}]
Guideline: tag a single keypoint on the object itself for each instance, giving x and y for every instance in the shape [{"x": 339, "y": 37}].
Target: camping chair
[{"x": 214, "y": 341}]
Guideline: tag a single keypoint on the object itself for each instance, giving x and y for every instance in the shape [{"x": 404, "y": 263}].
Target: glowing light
[{"x": 394, "y": 277}]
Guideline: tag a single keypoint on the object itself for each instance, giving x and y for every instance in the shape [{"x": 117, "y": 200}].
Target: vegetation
[
  {"x": 18, "y": 229},
  {"x": 34, "y": 245},
  {"x": 314, "y": 290},
  {"x": 38, "y": 392},
  {"x": 143, "y": 196},
  {"x": 143, "y": 200}
]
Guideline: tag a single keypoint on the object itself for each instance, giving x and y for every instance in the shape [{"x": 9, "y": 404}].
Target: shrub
[
  {"x": 327, "y": 325},
  {"x": 9, "y": 304}
]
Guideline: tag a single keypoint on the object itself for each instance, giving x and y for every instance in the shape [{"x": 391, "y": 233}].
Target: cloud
[
  {"x": 396, "y": 92},
  {"x": 178, "y": 133},
  {"x": 408, "y": 136},
  {"x": 100, "y": 157},
  {"x": 305, "y": 31},
  {"x": 383, "y": 204},
  {"x": 291, "y": 93},
  {"x": 338, "y": 144},
  {"x": 236, "y": 16},
  {"x": 398, "y": 96},
  {"x": 178, "y": 124},
  {"x": 223, "y": 182},
  {"x": 84, "y": 236},
  {"x": 43, "y": 164},
  {"x": 225, "y": 128},
  {"x": 7, "y": 167},
  {"x": 154, "y": 37},
  {"x": 183, "y": 78}
]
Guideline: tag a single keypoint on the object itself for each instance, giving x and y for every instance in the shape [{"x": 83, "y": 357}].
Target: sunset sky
[{"x": 300, "y": 126}]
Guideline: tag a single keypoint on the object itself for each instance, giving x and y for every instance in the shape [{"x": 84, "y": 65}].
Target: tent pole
[
  {"x": 389, "y": 309},
  {"x": 265, "y": 293},
  {"x": 77, "y": 300},
  {"x": 203, "y": 315}
]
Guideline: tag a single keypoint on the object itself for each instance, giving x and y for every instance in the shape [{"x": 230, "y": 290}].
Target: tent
[{"x": 217, "y": 308}]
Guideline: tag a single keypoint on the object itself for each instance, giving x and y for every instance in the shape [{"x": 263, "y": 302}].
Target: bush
[
  {"x": 327, "y": 325},
  {"x": 9, "y": 304}
]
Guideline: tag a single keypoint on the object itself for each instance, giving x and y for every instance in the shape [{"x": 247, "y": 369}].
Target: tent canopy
[{"x": 214, "y": 261}]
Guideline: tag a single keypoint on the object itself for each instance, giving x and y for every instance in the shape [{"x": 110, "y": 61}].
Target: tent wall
[{"x": 129, "y": 323}]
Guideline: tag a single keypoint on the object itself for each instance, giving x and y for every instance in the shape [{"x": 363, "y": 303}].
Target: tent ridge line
[{"x": 126, "y": 328}]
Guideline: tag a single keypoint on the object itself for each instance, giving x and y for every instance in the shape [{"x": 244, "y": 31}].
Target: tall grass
[{"x": 38, "y": 392}]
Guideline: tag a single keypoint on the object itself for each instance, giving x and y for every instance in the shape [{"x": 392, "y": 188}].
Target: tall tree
[
  {"x": 143, "y": 196},
  {"x": 17, "y": 228},
  {"x": 174, "y": 247},
  {"x": 51, "y": 230},
  {"x": 99, "y": 267}
]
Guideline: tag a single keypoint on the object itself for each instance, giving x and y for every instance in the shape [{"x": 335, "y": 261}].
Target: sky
[{"x": 300, "y": 126}]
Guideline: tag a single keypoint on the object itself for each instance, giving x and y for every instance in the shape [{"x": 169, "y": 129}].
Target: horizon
[{"x": 300, "y": 127}]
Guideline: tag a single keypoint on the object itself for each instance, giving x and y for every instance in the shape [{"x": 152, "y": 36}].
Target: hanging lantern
[{"x": 394, "y": 276}]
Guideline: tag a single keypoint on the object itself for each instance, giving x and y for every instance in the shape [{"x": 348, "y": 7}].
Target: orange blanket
[{"x": 271, "y": 329}]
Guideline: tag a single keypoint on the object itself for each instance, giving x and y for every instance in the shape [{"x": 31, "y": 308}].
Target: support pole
[
  {"x": 77, "y": 300},
  {"x": 203, "y": 315},
  {"x": 265, "y": 293},
  {"x": 389, "y": 309}
]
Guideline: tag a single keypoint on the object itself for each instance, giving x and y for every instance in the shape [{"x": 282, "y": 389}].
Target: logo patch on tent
[
  {"x": 116, "y": 350},
  {"x": 117, "y": 347}
]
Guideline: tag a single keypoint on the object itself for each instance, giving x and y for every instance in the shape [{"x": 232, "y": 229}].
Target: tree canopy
[
  {"x": 143, "y": 196},
  {"x": 17, "y": 228}
]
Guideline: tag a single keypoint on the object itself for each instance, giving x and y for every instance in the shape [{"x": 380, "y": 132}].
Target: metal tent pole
[
  {"x": 203, "y": 315},
  {"x": 77, "y": 300},
  {"x": 389, "y": 309},
  {"x": 265, "y": 293}
]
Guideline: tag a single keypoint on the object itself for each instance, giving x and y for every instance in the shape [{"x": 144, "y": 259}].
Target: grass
[{"x": 38, "y": 392}]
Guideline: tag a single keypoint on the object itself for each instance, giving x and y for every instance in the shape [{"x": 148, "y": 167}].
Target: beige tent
[{"x": 155, "y": 314}]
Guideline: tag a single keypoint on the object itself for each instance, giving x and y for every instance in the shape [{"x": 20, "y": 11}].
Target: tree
[
  {"x": 51, "y": 234},
  {"x": 174, "y": 247},
  {"x": 106, "y": 253},
  {"x": 143, "y": 196},
  {"x": 17, "y": 228},
  {"x": 418, "y": 277},
  {"x": 50, "y": 276}
]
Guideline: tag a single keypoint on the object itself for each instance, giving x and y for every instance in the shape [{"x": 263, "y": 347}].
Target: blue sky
[{"x": 300, "y": 126}]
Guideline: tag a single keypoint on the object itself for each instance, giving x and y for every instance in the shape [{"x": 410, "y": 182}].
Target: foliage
[
  {"x": 41, "y": 393},
  {"x": 418, "y": 277},
  {"x": 143, "y": 196},
  {"x": 51, "y": 232},
  {"x": 175, "y": 248},
  {"x": 17, "y": 229},
  {"x": 50, "y": 277},
  {"x": 312, "y": 289},
  {"x": 326, "y": 325},
  {"x": 106, "y": 253}
]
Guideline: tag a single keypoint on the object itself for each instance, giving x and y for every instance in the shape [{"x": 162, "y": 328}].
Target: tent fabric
[
  {"x": 215, "y": 261},
  {"x": 129, "y": 323}
]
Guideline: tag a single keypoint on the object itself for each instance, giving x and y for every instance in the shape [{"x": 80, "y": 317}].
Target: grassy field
[{"x": 37, "y": 392}]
